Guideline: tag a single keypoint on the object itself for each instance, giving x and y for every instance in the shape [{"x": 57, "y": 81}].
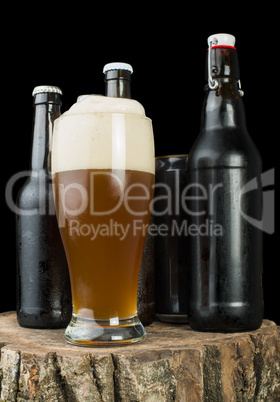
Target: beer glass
[
  {"x": 103, "y": 176},
  {"x": 170, "y": 250}
]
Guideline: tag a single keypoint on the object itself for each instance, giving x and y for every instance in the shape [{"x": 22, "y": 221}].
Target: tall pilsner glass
[{"x": 103, "y": 175}]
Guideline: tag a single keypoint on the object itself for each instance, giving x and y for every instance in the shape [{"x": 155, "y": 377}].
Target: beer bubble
[{"x": 100, "y": 132}]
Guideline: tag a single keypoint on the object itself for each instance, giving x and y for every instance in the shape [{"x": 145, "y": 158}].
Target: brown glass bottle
[
  {"x": 43, "y": 285},
  {"x": 117, "y": 84},
  {"x": 225, "y": 249},
  {"x": 117, "y": 80}
]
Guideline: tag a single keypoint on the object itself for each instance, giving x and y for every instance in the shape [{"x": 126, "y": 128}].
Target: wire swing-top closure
[
  {"x": 226, "y": 40},
  {"x": 213, "y": 83}
]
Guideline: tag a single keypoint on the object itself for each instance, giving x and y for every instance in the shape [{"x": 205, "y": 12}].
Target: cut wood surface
[{"x": 174, "y": 363}]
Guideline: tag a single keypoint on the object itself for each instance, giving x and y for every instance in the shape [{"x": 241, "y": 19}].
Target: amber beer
[
  {"x": 104, "y": 242},
  {"x": 103, "y": 176}
]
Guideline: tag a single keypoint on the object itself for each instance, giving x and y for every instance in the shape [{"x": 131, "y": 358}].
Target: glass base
[
  {"x": 114, "y": 332},
  {"x": 173, "y": 318}
]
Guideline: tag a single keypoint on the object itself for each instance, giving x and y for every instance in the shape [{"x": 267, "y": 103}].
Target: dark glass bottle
[
  {"x": 117, "y": 80},
  {"x": 43, "y": 285},
  {"x": 117, "y": 85},
  {"x": 225, "y": 250}
]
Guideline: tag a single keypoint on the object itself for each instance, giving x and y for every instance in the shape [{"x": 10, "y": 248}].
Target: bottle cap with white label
[
  {"x": 117, "y": 66},
  {"x": 222, "y": 40}
]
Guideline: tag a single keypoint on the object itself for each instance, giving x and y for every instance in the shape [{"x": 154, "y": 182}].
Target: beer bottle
[
  {"x": 117, "y": 80},
  {"x": 43, "y": 285},
  {"x": 224, "y": 194},
  {"x": 117, "y": 84}
]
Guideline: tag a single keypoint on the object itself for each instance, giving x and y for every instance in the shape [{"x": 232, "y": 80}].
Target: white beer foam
[{"x": 100, "y": 132}]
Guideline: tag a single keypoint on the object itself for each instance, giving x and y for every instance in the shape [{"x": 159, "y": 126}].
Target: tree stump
[{"x": 174, "y": 363}]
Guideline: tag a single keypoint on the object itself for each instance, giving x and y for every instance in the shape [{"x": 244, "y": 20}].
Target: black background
[{"x": 167, "y": 49}]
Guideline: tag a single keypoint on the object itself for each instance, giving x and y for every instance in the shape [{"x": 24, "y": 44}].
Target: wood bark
[{"x": 174, "y": 363}]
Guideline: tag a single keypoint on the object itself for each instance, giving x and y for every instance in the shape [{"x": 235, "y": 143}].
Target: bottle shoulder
[
  {"x": 232, "y": 147},
  {"x": 35, "y": 189}
]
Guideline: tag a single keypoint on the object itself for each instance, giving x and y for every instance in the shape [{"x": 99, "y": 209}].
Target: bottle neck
[
  {"x": 46, "y": 110},
  {"x": 117, "y": 84},
  {"x": 223, "y": 107}
]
